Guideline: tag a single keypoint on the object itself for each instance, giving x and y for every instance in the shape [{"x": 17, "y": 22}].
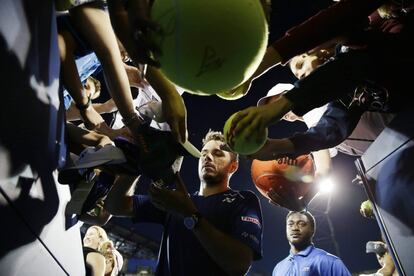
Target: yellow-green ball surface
[
  {"x": 210, "y": 46},
  {"x": 63, "y": 5},
  {"x": 242, "y": 143},
  {"x": 367, "y": 209}
]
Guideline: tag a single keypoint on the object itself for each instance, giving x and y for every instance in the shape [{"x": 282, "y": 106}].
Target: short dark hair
[
  {"x": 310, "y": 217},
  {"x": 213, "y": 135}
]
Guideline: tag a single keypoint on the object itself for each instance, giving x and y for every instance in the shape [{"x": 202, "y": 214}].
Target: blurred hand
[
  {"x": 291, "y": 203},
  {"x": 124, "y": 54},
  {"x": 113, "y": 133},
  {"x": 254, "y": 119},
  {"x": 102, "y": 141},
  {"x": 134, "y": 76},
  {"x": 110, "y": 106},
  {"x": 173, "y": 107},
  {"x": 91, "y": 118},
  {"x": 176, "y": 201},
  {"x": 143, "y": 28},
  {"x": 358, "y": 180},
  {"x": 131, "y": 22},
  {"x": 124, "y": 132},
  {"x": 273, "y": 149},
  {"x": 388, "y": 266},
  {"x": 251, "y": 120},
  {"x": 175, "y": 113}
]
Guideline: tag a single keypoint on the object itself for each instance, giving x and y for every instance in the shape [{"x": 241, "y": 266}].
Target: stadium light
[{"x": 326, "y": 185}]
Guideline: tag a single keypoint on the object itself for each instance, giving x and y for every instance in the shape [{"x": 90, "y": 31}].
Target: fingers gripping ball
[
  {"x": 288, "y": 177},
  {"x": 244, "y": 143},
  {"x": 210, "y": 46}
]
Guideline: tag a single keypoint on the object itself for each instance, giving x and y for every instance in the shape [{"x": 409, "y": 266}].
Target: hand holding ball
[{"x": 244, "y": 143}]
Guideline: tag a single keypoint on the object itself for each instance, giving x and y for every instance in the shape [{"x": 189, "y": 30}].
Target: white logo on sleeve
[
  {"x": 229, "y": 200},
  {"x": 230, "y": 197}
]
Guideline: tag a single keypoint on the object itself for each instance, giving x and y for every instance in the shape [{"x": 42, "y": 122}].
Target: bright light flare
[{"x": 326, "y": 185}]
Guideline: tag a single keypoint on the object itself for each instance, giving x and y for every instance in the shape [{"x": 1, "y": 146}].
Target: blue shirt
[
  {"x": 236, "y": 213},
  {"x": 311, "y": 262},
  {"x": 87, "y": 65}
]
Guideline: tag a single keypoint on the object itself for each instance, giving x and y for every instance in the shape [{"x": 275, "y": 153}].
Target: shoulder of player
[
  {"x": 282, "y": 263},
  {"x": 245, "y": 195},
  {"x": 322, "y": 254}
]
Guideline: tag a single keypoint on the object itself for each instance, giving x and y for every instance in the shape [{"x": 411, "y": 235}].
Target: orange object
[{"x": 288, "y": 177}]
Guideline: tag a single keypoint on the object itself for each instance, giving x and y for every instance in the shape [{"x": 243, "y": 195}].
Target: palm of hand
[
  {"x": 143, "y": 28},
  {"x": 91, "y": 118},
  {"x": 173, "y": 201},
  {"x": 251, "y": 120}
]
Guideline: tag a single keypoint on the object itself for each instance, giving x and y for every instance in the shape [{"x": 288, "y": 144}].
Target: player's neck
[
  {"x": 299, "y": 247},
  {"x": 207, "y": 190},
  {"x": 294, "y": 249}
]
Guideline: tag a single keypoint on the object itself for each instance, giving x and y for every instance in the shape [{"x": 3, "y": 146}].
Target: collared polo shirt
[{"x": 311, "y": 261}]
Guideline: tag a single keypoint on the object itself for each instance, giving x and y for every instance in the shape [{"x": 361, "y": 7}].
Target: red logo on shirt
[{"x": 251, "y": 219}]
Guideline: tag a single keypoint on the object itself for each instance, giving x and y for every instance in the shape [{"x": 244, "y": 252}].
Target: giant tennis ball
[
  {"x": 210, "y": 46},
  {"x": 241, "y": 142}
]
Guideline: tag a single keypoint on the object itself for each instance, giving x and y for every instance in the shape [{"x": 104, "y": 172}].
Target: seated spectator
[
  {"x": 94, "y": 260},
  {"x": 113, "y": 259},
  {"x": 384, "y": 259}
]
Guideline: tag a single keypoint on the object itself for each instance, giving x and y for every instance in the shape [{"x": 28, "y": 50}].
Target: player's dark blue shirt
[{"x": 236, "y": 213}]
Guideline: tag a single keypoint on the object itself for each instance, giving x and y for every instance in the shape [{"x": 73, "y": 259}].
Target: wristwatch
[{"x": 192, "y": 221}]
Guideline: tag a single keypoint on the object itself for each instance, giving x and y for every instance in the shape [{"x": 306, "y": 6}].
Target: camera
[{"x": 376, "y": 247}]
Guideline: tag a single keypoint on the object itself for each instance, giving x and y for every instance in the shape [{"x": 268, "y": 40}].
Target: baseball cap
[{"x": 276, "y": 90}]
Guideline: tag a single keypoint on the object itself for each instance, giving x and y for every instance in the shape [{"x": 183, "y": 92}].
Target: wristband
[
  {"x": 131, "y": 119},
  {"x": 84, "y": 106}
]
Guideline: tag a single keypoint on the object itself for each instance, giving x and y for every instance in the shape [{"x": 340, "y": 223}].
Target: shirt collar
[
  {"x": 197, "y": 193},
  {"x": 304, "y": 253}
]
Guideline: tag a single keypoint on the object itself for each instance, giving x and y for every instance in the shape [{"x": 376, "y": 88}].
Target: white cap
[{"x": 276, "y": 90}]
